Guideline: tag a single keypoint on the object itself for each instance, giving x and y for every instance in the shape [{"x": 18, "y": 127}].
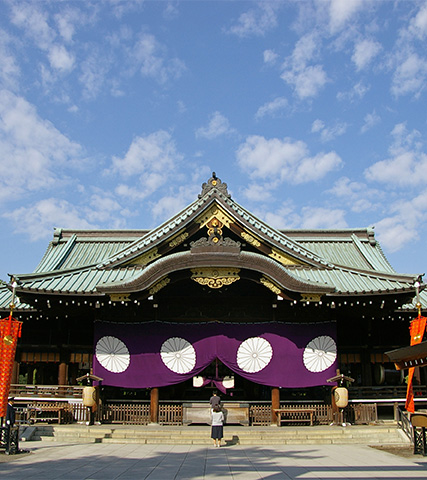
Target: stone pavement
[{"x": 49, "y": 460}]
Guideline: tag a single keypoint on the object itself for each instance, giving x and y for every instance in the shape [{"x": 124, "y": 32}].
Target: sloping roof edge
[{"x": 216, "y": 193}]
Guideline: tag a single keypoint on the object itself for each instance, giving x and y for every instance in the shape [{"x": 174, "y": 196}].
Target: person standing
[
  {"x": 217, "y": 431},
  {"x": 10, "y": 422},
  {"x": 215, "y": 400},
  {"x": 10, "y": 413}
]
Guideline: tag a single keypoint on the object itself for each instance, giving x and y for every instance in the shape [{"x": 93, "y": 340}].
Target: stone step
[
  {"x": 147, "y": 430},
  {"x": 372, "y": 434}
]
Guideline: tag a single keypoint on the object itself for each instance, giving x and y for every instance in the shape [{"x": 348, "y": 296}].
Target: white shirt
[{"x": 217, "y": 419}]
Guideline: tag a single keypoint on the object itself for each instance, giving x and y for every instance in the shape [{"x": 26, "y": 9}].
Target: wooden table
[
  {"x": 294, "y": 415},
  {"x": 49, "y": 412},
  {"x": 200, "y": 412}
]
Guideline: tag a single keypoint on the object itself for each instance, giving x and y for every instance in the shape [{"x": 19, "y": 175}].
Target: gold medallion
[{"x": 8, "y": 340}]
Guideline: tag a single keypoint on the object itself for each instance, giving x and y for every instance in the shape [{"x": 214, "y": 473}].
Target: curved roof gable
[
  {"x": 215, "y": 203},
  {"x": 341, "y": 262}
]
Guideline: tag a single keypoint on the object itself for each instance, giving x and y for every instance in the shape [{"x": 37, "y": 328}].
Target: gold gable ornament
[
  {"x": 311, "y": 297},
  {"x": 159, "y": 285},
  {"x": 250, "y": 239},
  {"x": 120, "y": 297},
  {"x": 146, "y": 258},
  {"x": 214, "y": 213},
  {"x": 215, "y": 277},
  {"x": 270, "y": 285},
  {"x": 178, "y": 239},
  {"x": 282, "y": 258}
]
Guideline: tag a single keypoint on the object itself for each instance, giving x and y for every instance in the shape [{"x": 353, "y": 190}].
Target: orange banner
[
  {"x": 10, "y": 331},
  {"x": 416, "y": 329}
]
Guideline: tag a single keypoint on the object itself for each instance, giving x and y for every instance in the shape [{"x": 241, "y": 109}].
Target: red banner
[
  {"x": 10, "y": 331},
  {"x": 416, "y": 329}
]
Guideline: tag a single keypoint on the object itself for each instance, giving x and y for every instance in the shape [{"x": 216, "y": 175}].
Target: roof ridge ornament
[{"x": 214, "y": 183}]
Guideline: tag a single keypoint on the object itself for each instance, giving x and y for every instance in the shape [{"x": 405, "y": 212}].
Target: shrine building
[{"x": 213, "y": 298}]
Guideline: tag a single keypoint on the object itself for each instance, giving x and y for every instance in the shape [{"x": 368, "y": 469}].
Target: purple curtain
[{"x": 154, "y": 354}]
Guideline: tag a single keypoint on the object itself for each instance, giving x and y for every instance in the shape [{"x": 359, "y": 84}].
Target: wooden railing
[
  {"x": 170, "y": 414},
  {"x": 361, "y": 413},
  {"x": 323, "y": 414},
  {"x": 260, "y": 414},
  {"x": 60, "y": 412},
  {"x": 64, "y": 391},
  {"x": 126, "y": 413},
  {"x": 355, "y": 393},
  {"x": 386, "y": 392},
  {"x": 404, "y": 423}
]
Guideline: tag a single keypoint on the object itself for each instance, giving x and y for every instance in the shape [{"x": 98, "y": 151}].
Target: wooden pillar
[
  {"x": 30, "y": 374},
  {"x": 62, "y": 373},
  {"x": 15, "y": 373},
  {"x": 417, "y": 376},
  {"x": 154, "y": 405},
  {"x": 275, "y": 403}
]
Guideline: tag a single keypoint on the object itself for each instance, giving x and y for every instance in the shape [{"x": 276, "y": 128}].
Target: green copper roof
[
  {"x": 356, "y": 248},
  {"x": 80, "y": 248},
  {"x": 79, "y": 262}
]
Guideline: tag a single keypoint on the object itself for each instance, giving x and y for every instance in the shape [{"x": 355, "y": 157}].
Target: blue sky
[{"x": 113, "y": 113}]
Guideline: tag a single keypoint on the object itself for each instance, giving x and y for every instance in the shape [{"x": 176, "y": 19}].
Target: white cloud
[
  {"x": 256, "y": 21},
  {"x": 393, "y": 234},
  {"x": 306, "y": 49},
  {"x": 257, "y": 193},
  {"x": 48, "y": 35},
  {"x": 155, "y": 152},
  {"x": 358, "y": 91},
  {"x": 370, "y": 120},
  {"x": 93, "y": 71},
  {"x": 60, "y": 58},
  {"x": 150, "y": 162},
  {"x": 307, "y": 80},
  {"x": 283, "y": 217},
  {"x": 355, "y": 195},
  {"x": 407, "y": 58},
  {"x": 341, "y": 12},
  {"x": 106, "y": 210},
  {"x": 171, "y": 11},
  {"x": 319, "y": 217},
  {"x": 328, "y": 133},
  {"x": 168, "y": 205},
  {"x": 150, "y": 57},
  {"x": 218, "y": 125},
  {"x": 132, "y": 194},
  {"x": 309, "y": 217},
  {"x": 34, "y": 23},
  {"x": 121, "y": 8},
  {"x": 9, "y": 69},
  {"x": 364, "y": 52},
  {"x": 407, "y": 164},
  {"x": 37, "y": 220},
  {"x": 34, "y": 152},
  {"x": 317, "y": 126},
  {"x": 66, "y": 24},
  {"x": 418, "y": 25},
  {"x": 410, "y": 76},
  {"x": 408, "y": 168},
  {"x": 271, "y": 108},
  {"x": 401, "y": 227},
  {"x": 315, "y": 168},
  {"x": 270, "y": 57},
  {"x": 284, "y": 160}
]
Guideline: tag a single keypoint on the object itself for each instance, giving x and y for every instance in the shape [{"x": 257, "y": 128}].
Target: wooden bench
[
  {"x": 60, "y": 412},
  {"x": 294, "y": 415}
]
